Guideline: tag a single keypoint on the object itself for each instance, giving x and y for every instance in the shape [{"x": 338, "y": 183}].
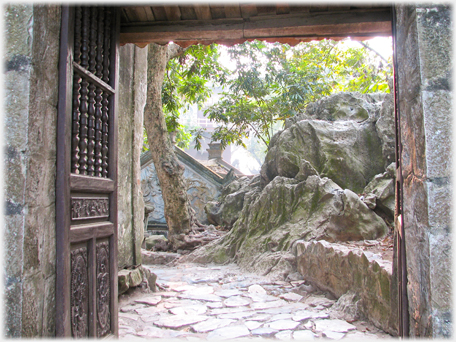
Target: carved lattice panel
[
  {"x": 86, "y": 186},
  {"x": 103, "y": 289},
  {"x": 91, "y": 91},
  {"x": 79, "y": 293},
  {"x": 86, "y": 208}
]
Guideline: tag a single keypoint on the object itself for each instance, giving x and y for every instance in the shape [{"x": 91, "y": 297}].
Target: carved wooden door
[{"x": 86, "y": 188}]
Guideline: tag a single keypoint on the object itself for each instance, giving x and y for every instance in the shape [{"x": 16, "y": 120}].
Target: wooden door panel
[{"x": 86, "y": 191}]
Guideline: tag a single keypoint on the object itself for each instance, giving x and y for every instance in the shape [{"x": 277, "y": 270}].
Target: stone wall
[
  {"x": 339, "y": 269},
  {"x": 424, "y": 49},
  {"x": 202, "y": 184},
  {"x": 31, "y": 94},
  {"x": 132, "y": 99}
]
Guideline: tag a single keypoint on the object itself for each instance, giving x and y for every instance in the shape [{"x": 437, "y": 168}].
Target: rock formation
[
  {"x": 310, "y": 186},
  {"x": 347, "y": 137}
]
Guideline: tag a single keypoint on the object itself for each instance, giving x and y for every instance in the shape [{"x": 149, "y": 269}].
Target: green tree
[
  {"x": 189, "y": 80},
  {"x": 273, "y": 82},
  {"x": 176, "y": 77}
]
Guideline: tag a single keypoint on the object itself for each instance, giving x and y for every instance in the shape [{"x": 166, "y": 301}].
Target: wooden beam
[
  {"x": 324, "y": 31},
  {"x": 131, "y": 14},
  {"x": 248, "y": 11},
  {"x": 149, "y": 13},
  {"x": 283, "y": 9},
  {"x": 232, "y": 11},
  {"x": 159, "y": 13},
  {"x": 140, "y": 13},
  {"x": 188, "y": 12},
  {"x": 173, "y": 13},
  {"x": 195, "y": 31},
  {"x": 203, "y": 12},
  {"x": 302, "y": 25},
  {"x": 266, "y": 10},
  {"x": 217, "y": 11},
  {"x": 90, "y": 231},
  {"x": 91, "y": 184},
  {"x": 123, "y": 16},
  {"x": 318, "y": 8},
  {"x": 341, "y": 23}
]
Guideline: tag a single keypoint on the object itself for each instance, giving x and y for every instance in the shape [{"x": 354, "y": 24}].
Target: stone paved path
[{"x": 214, "y": 302}]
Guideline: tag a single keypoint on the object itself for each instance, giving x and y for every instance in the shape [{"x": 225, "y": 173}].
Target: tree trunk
[
  {"x": 169, "y": 171},
  {"x": 184, "y": 230}
]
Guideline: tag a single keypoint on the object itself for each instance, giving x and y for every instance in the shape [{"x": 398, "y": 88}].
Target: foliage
[
  {"x": 188, "y": 80},
  {"x": 145, "y": 146},
  {"x": 272, "y": 82}
]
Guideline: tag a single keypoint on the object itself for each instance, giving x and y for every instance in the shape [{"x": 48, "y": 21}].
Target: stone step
[{"x": 158, "y": 258}]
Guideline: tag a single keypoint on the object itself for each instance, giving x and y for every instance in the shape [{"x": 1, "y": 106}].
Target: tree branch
[
  {"x": 175, "y": 50},
  {"x": 258, "y": 135}
]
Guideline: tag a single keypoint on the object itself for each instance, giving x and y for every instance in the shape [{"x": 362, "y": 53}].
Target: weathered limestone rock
[
  {"x": 132, "y": 86},
  {"x": 380, "y": 192},
  {"x": 264, "y": 332},
  {"x": 231, "y": 332},
  {"x": 303, "y": 335},
  {"x": 338, "y": 136},
  {"x": 348, "y": 307},
  {"x": 282, "y": 324},
  {"x": 178, "y": 321},
  {"x": 214, "y": 212},
  {"x": 326, "y": 264},
  {"x": 286, "y": 211},
  {"x": 129, "y": 278},
  {"x": 150, "y": 277},
  {"x": 336, "y": 325},
  {"x": 236, "y": 301},
  {"x": 211, "y": 324},
  {"x": 152, "y": 240},
  {"x": 31, "y": 75},
  {"x": 225, "y": 211},
  {"x": 152, "y": 300}
]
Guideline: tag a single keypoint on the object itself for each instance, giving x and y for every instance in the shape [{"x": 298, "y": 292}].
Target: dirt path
[{"x": 213, "y": 302}]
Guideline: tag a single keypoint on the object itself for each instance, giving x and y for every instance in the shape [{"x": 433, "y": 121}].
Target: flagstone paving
[{"x": 214, "y": 302}]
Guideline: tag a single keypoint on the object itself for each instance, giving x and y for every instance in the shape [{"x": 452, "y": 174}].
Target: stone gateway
[{"x": 42, "y": 174}]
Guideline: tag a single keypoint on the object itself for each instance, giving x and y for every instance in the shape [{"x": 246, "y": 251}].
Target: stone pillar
[
  {"x": 32, "y": 36},
  {"x": 132, "y": 99},
  {"x": 424, "y": 48}
]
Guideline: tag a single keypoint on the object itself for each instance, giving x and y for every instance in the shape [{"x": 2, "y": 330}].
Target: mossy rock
[
  {"x": 152, "y": 240},
  {"x": 287, "y": 210},
  {"x": 339, "y": 137}
]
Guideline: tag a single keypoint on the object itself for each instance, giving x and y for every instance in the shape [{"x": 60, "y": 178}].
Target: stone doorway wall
[{"x": 424, "y": 41}]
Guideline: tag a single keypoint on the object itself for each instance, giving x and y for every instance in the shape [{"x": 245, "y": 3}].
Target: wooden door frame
[
  {"x": 63, "y": 327},
  {"x": 65, "y": 180},
  {"x": 400, "y": 247}
]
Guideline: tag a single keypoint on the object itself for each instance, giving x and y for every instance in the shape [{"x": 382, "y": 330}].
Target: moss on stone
[{"x": 385, "y": 285}]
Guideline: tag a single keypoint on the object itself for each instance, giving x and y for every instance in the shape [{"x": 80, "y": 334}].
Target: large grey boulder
[
  {"x": 347, "y": 137},
  {"x": 285, "y": 211}
]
